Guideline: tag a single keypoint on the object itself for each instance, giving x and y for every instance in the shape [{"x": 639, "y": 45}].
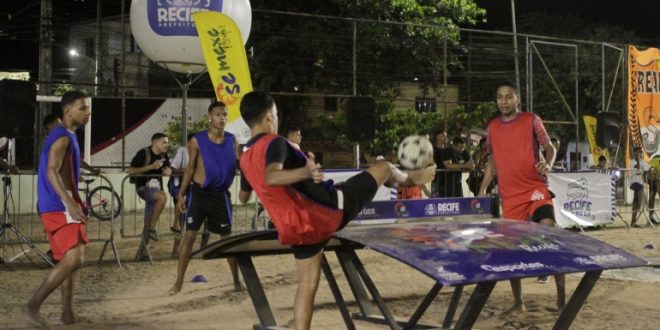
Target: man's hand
[
  {"x": 468, "y": 166},
  {"x": 157, "y": 164},
  {"x": 543, "y": 168},
  {"x": 167, "y": 171},
  {"x": 74, "y": 210},
  {"x": 181, "y": 204},
  {"x": 314, "y": 168}
]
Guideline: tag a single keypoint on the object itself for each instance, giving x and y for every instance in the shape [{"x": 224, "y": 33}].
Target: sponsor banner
[
  {"x": 590, "y": 123},
  {"x": 175, "y": 17},
  {"x": 425, "y": 208},
  {"x": 644, "y": 102},
  {"x": 582, "y": 198},
  {"x": 226, "y": 62},
  {"x": 457, "y": 253}
]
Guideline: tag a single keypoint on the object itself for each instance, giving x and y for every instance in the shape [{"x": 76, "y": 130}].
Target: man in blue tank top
[
  {"x": 60, "y": 207},
  {"x": 210, "y": 173}
]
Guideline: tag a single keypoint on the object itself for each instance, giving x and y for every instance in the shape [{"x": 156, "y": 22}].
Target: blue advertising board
[
  {"x": 492, "y": 250},
  {"x": 424, "y": 208}
]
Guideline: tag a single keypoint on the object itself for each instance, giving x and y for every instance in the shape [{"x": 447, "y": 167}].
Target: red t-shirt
[{"x": 515, "y": 147}]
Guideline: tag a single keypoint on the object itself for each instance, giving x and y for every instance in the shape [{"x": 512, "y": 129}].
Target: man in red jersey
[
  {"x": 305, "y": 210},
  {"x": 514, "y": 139}
]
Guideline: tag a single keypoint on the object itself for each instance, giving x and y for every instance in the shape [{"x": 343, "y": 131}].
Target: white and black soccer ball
[{"x": 415, "y": 152}]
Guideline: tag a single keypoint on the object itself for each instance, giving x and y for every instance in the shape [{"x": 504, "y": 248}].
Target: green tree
[{"x": 302, "y": 54}]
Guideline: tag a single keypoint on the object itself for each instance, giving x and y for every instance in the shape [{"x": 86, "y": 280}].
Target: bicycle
[{"x": 97, "y": 201}]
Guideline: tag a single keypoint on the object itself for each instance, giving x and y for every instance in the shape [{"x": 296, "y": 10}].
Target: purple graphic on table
[{"x": 480, "y": 251}]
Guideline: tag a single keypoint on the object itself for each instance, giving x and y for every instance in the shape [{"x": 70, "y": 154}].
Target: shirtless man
[
  {"x": 60, "y": 207},
  {"x": 210, "y": 173}
]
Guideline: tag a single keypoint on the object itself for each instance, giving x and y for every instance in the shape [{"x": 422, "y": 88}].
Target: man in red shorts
[
  {"x": 60, "y": 207},
  {"x": 514, "y": 139},
  {"x": 306, "y": 210}
]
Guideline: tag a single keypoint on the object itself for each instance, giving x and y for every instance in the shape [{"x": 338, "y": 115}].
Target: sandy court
[{"x": 135, "y": 296}]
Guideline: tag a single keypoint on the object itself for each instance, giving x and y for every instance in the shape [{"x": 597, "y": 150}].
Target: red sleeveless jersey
[
  {"x": 298, "y": 219},
  {"x": 515, "y": 150}
]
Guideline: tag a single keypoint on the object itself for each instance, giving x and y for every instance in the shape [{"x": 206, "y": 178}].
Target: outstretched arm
[
  {"x": 488, "y": 177},
  {"x": 276, "y": 175}
]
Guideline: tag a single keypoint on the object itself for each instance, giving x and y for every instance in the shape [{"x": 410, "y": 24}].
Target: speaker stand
[{"x": 356, "y": 149}]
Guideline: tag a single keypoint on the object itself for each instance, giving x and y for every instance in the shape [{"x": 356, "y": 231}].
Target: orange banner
[{"x": 644, "y": 101}]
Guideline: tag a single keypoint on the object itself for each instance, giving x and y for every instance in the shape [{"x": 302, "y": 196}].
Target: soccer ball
[{"x": 415, "y": 152}]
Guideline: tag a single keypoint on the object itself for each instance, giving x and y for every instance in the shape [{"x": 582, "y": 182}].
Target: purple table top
[{"x": 478, "y": 251}]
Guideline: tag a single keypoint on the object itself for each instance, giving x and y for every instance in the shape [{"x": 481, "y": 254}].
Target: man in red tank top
[
  {"x": 514, "y": 139},
  {"x": 305, "y": 210}
]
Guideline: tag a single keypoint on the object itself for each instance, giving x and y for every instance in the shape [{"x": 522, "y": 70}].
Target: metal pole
[
  {"x": 528, "y": 68},
  {"x": 122, "y": 89},
  {"x": 602, "y": 75},
  {"x": 356, "y": 147},
  {"x": 577, "y": 104},
  {"x": 354, "y": 58},
  {"x": 98, "y": 78},
  {"x": 515, "y": 42},
  {"x": 184, "y": 109},
  {"x": 444, "y": 79},
  {"x": 45, "y": 69}
]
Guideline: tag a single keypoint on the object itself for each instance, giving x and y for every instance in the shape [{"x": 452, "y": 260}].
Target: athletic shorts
[
  {"x": 357, "y": 191},
  {"x": 524, "y": 206},
  {"x": 212, "y": 205},
  {"x": 63, "y": 232}
]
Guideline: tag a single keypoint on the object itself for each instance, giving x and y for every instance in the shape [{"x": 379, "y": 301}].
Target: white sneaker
[{"x": 543, "y": 279}]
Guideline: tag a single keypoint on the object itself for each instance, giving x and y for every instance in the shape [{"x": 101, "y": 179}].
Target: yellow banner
[
  {"x": 224, "y": 54},
  {"x": 644, "y": 101},
  {"x": 590, "y": 123}
]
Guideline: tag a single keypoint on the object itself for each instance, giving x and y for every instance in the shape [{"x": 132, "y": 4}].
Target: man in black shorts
[
  {"x": 306, "y": 210},
  {"x": 210, "y": 173}
]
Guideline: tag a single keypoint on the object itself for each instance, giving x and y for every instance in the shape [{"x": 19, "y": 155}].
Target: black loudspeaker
[
  {"x": 360, "y": 118},
  {"x": 607, "y": 129},
  {"x": 18, "y": 103}
]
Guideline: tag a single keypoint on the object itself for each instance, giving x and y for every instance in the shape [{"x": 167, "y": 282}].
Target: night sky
[{"x": 19, "y": 27}]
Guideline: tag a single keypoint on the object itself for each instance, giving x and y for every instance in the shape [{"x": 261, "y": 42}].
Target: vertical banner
[
  {"x": 644, "y": 101},
  {"x": 582, "y": 198},
  {"x": 224, "y": 54},
  {"x": 590, "y": 123}
]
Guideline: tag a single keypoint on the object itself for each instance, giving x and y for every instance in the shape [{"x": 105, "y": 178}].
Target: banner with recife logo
[
  {"x": 582, "y": 198},
  {"x": 224, "y": 54},
  {"x": 175, "y": 17},
  {"x": 644, "y": 102},
  {"x": 425, "y": 208}
]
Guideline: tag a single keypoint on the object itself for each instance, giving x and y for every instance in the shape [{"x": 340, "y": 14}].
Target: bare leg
[
  {"x": 518, "y": 303},
  {"x": 205, "y": 236},
  {"x": 309, "y": 273},
  {"x": 176, "y": 224},
  {"x": 387, "y": 174},
  {"x": 560, "y": 279},
  {"x": 160, "y": 199},
  {"x": 233, "y": 267},
  {"x": 62, "y": 272},
  {"x": 184, "y": 258}
]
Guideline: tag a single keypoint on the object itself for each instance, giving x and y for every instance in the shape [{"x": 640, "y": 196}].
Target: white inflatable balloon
[{"x": 166, "y": 33}]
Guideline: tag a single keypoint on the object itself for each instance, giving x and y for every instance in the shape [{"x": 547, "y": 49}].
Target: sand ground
[{"x": 135, "y": 296}]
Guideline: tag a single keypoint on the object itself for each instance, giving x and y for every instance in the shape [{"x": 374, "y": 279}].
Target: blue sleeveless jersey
[
  {"x": 47, "y": 199},
  {"x": 219, "y": 161}
]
